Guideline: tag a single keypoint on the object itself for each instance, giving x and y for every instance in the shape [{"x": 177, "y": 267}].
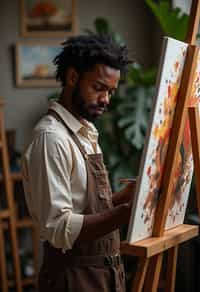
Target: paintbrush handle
[{"x": 127, "y": 180}]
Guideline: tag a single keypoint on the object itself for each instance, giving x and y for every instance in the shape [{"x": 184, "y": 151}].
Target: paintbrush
[{"x": 127, "y": 180}]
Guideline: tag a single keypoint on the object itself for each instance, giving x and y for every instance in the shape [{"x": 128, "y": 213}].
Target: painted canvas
[
  {"x": 34, "y": 64},
  {"x": 47, "y": 18},
  {"x": 154, "y": 154}
]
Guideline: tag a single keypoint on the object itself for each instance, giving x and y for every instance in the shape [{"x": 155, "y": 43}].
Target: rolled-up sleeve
[{"x": 47, "y": 166}]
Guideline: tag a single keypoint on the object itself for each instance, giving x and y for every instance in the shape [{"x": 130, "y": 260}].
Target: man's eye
[{"x": 97, "y": 87}]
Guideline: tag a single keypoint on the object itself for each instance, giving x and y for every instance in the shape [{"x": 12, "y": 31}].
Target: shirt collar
[
  {"x": 71, "y": 121},
  {"x": 66, "y": 116}
]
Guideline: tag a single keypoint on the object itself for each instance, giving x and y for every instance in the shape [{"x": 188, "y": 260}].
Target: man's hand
[
  {"x": 97, "y": 225},
  {"x": 126, "y": 195}
]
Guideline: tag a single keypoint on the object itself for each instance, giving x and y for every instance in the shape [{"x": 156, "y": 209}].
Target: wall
[
  {"x": 24, "y": 106},
  {"x": 183, "y": 4}
]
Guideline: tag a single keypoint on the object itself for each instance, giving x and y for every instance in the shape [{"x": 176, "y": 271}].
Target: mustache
[{"x": 100, "y": 106}]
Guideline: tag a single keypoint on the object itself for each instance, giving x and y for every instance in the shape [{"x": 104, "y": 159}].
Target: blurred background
[{"x": 32, "y": 31}]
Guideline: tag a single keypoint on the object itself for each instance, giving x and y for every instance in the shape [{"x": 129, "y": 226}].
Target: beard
[{"x": 90, "y": 111}]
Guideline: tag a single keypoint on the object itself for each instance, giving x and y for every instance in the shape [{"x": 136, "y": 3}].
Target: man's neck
[{"x": 67, "y": 104}]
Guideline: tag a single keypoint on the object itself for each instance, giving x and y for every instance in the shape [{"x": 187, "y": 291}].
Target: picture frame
[
  {"x": 55, "y": 18},
  {"x": 34, "y": 64}
]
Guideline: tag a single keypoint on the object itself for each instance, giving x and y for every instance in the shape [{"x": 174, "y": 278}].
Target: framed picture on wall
[
  {"x": 48, "y": 18},
  {"x": 34, "y": 64}
]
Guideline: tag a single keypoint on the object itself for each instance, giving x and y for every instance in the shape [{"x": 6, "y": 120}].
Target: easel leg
[
  {"x": 138, "y": 280},
  {"x": 194, "y": 117},
  {"x": 171, "y": 269},
  {"x": 153, "y": 273}
]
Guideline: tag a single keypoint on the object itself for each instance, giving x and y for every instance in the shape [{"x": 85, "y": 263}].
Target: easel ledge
[{"x": 151, "y": 246}]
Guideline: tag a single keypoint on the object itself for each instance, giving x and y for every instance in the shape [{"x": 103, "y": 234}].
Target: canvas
[{"x": 155, "y": 150}]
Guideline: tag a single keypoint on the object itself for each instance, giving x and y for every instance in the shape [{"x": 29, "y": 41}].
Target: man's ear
[{"x": 71, "y": 77}]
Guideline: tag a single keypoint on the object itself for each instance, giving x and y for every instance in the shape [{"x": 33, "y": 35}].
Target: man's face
[{"x": 93, "y": 91}]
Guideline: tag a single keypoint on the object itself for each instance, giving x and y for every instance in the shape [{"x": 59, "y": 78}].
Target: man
[{"x": 65, "y": 180}]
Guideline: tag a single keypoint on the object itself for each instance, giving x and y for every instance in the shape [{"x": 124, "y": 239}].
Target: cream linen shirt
[{"x": 55, "y": 178}]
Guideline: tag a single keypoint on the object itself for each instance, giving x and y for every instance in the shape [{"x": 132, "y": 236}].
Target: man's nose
[{"x": 104, "y": 97}]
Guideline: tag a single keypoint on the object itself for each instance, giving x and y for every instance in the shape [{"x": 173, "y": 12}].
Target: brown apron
[{"x": 92, "y": 266}]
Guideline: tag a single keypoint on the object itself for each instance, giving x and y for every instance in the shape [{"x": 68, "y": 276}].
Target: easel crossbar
[{"x": 154, "y": 245}]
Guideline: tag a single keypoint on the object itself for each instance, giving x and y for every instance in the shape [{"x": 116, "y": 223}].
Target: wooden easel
[
  {"x": 150, "y": 251},
  {"x": 8, "y": 214}
]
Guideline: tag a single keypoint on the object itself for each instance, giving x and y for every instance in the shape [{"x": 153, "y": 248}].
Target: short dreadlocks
[{"x": 85, "y": 51}]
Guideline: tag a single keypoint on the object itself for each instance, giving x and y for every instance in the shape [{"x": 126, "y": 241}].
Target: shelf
[
  {"x": 23, "y": 223},
  {"x": 25, "y": 282},
  {"x": 15, "y": 176},
  {"x": 29, "y": 281},
  {"x": 4, "y": 214},
  {"x": 26, "y": 222}
]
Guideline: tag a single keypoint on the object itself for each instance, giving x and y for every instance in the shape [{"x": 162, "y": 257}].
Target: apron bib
[{"x": 92, "y": 266}]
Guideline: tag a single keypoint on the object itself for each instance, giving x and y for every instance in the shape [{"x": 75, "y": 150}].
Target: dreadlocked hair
[{"x": 84, "y": 52}]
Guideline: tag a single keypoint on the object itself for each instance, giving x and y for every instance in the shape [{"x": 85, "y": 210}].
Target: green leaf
[
  {"x": 122, "y": 170},
  {"x": 102, "y": 26},
  {"x": 173, "y": 22},
  {"x": 148, "y": 77},
  {"x": 125, "y": 120},
  {"x": 133, "y": 115},
  {"x": 137, "y": 76},
  {"x": 135, "y": 136},
  {"x": 117, "y": 38}
]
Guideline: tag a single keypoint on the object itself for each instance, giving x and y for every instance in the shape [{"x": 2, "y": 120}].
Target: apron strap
[{"x": 54, "y": 114}]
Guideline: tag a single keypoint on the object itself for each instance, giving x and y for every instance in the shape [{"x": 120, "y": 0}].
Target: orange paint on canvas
[
  {"x": 195, "y": 95},
  {"x": 161, "y": 133},
  {"x": 176, "y": 65}
]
